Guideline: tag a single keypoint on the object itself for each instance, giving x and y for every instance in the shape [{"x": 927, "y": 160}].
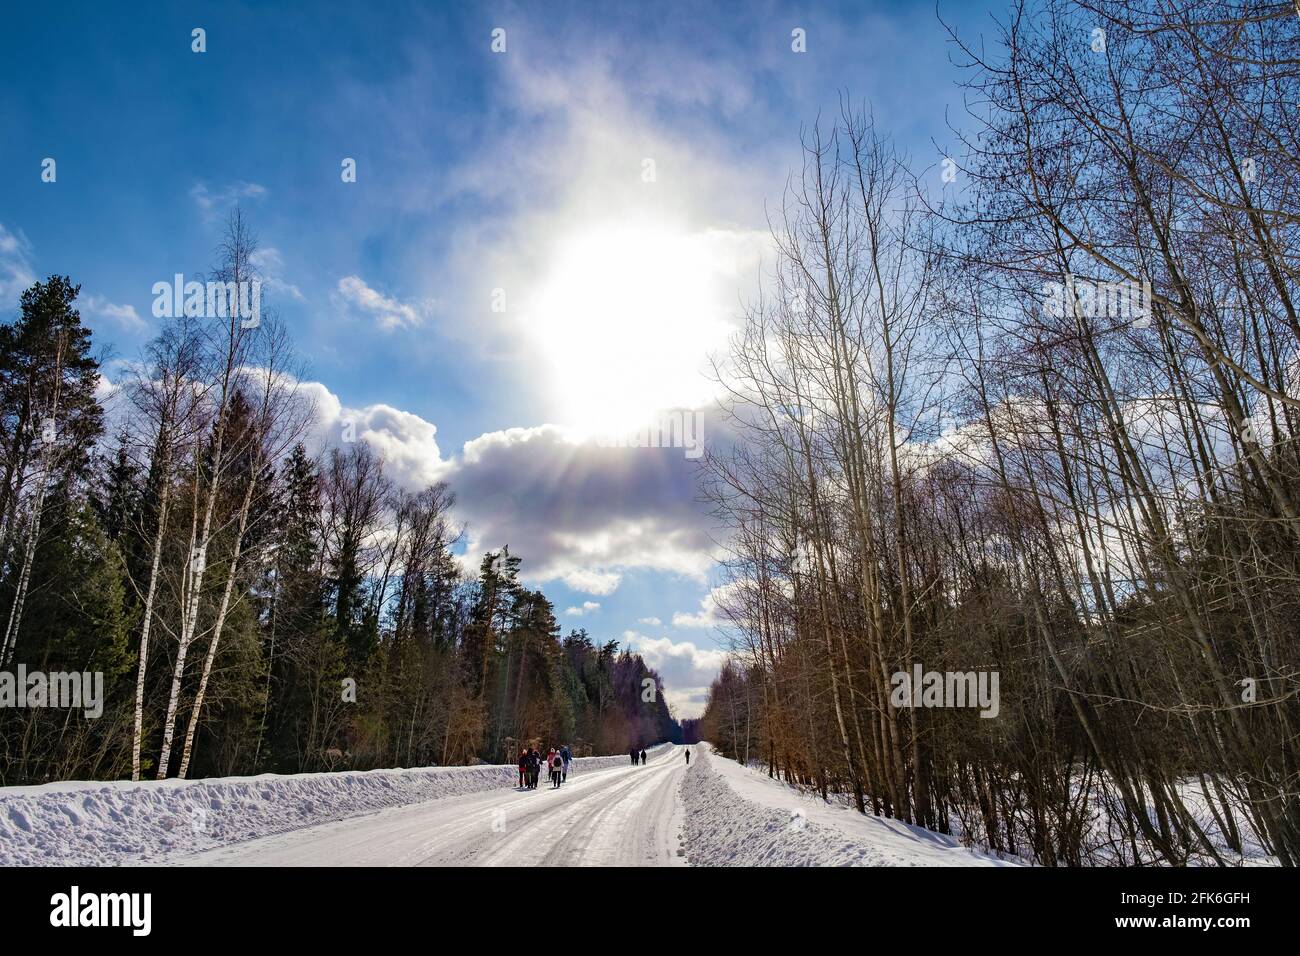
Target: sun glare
[{"x": 627, "y": 315}]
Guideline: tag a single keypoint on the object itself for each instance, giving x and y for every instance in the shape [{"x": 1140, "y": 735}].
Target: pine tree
[
  {"x": 51, "y": 420},
  {"x": 118, "y": 498}
]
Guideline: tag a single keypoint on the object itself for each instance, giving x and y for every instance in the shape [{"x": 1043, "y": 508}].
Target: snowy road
[{"x": 625, "y": 816}]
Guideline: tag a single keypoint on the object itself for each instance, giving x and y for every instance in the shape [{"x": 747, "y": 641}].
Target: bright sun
[{"x": 626, "y": 317}]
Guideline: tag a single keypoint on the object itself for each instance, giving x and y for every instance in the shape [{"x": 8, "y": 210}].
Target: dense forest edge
[{"x": 1031, "y": 413}]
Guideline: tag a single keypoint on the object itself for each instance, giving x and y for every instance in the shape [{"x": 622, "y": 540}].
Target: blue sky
[{"x": 520, "y": 175}]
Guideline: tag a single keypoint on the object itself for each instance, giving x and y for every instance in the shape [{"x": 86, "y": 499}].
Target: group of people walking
[{"x": 556, "y": 762}]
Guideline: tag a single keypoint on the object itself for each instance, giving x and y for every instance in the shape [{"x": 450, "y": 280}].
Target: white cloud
[
  {"x": 16, "y": 273},
  {"x": 650, "y": 621},
  {"x": 684, "y": 619},
  {"x": 708, "y": 614},
  {"x": 390, "y": 313},
  {"x": 581, "y": 513},
  {"x": 213, "y": 204},
  {"x": 687, "y": 670},
  {"x": 124, "y": 315},
  {"x": 406, "y": 442},
  {"x": 588, "y": 607},
  {"x": 573, "y": 511},
  {"x": 591, "y": 582},
  {"x": 686, "y": 664},
  {"x": 270, "y": 265},
  {"x": 688, "y": 703}
]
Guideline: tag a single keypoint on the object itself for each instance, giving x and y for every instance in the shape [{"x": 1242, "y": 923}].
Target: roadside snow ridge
[{"x": 736, "y": 816}]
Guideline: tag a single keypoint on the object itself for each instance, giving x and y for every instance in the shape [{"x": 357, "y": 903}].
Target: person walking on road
[
  {"x": 557, "y": 767},
  {"x": 643, "y": 758},
  {"x": 688, "y": 758},
  {"x": 567, "y": 756},
  {"x": 633, "y": 753},
  {"x": 534, "y": 768},
  {"x": 523, "y": 768}
]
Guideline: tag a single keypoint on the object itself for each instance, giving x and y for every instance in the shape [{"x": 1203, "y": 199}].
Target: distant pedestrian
[
  {"x": 643, "y": 758},
  {"x": 567, "y": 755},
  {"x": 523, "y": 768},
  {"x": 634, "y": 755},
  {"x": 557, "y": 768},
  {"x": 534, "y": 768},
  {"x": 688, "y": 758}
]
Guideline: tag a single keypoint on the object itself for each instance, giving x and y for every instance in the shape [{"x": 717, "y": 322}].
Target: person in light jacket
[{"x": 557, "y": 768}]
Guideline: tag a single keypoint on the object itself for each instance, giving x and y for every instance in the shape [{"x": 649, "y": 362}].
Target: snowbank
[
  {"x": 1107, "y": 842},
  {"x": 97, "y": 823},
  {"x": 736, "y": 816}
]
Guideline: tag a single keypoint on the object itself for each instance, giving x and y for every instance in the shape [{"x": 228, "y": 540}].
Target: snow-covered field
[
  {"x": 737, "y": 816},
  {"x": 97, "y": 823}
]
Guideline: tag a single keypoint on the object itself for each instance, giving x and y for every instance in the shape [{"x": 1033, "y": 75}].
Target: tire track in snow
[{"x": 615, "y": 816}]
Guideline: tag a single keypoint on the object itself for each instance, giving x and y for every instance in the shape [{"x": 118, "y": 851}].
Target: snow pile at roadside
[
  {"x": 736, "y": 816},
  {"x": 97, "y": 823}
]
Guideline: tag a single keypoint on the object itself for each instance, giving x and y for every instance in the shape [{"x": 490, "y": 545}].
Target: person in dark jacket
[
  {"x": 567, "y": 756},
  {"x": 534, "y": 768},
  {"x": 523, "y": 768},
  {"x": 643, "y": 758},
  {"x": 688, "y": 758},
  {"x": 633, "y": 753}
]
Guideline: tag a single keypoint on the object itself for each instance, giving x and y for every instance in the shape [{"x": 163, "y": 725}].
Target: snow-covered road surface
[
  {"x": 716, "y": 813},
  {"x": 623, "y": 816}
]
